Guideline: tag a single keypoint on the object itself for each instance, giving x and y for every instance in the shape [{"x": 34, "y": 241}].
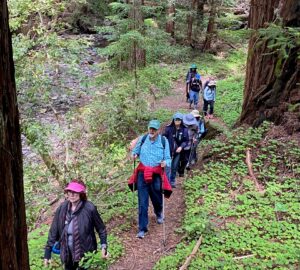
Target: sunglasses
[{"x": 177, "y": 119}]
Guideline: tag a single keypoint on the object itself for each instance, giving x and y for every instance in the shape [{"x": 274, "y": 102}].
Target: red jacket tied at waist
[{"x": 148, "y": 176}]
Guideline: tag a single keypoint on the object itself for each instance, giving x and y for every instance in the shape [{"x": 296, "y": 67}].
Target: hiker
[
  {"x": 190, "y": 121},
  {"x": 73, "y": 228},
  {"x": 149, "y": 178},
  {"x": 177, "y": 135},
  {"x": 201, "y": 132},
  {"x": 209, "y": 98},
  {"x": 193, "y": 86}
]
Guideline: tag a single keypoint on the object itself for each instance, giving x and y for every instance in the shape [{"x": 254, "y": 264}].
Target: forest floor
[{"x": 142, "y": 254}]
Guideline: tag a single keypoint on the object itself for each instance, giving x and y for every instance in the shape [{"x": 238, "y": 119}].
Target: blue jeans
[
  {"x": 194, "y": 97},
  {"x": 145, "y": 190},
  {"x": 174, "y": 167}
]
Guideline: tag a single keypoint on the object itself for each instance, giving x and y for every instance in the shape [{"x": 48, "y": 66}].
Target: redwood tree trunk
[
  {"x": 13, "y": 230},
  {"x": 190, "y": 20},
  {"x": 210, "y": 27},
  {"x": 200, "y": 11},
  {"x": 272, "y": 83},
  {"x": 170, "y": 25}
]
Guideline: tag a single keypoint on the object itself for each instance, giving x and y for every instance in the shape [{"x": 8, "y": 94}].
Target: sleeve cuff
[{"x": 103, "y": 246}]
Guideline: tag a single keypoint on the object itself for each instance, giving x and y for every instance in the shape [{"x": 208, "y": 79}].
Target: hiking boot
[
  {"x": 141, "y": 234},
  {"x": 160, "y": 219}
]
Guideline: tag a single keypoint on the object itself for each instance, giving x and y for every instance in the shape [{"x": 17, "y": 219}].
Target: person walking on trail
[
  {"x": 150, "y": 178},
  {"x": 73, "y": 228},
  {"x": 209, "y": 98},
  {"x": 190, "y": 121},
  {"x": 193, "y": 86},
  {"x": 178, "y": 137},
  {"x": 201, "y": 132}
]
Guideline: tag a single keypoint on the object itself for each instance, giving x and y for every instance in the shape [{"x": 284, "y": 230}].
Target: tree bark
[
  {"x": 13, "y": 229},
  {"x": 272, "y": 82},
  {"x": 200, "y": 12},
  {"x": 190, "y": 20},
  {"x": 170, "y": 25},
  {"x": 210, "y": 27}
]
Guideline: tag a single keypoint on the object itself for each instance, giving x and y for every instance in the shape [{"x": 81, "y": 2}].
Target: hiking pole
[
  {"x": 189, "y": 160},
  {"x": 133, "y": 189},
  {"x": 163, "y": 211},
  {"x": 164, "y": 219},
  {"x": 164, "y": 223}
]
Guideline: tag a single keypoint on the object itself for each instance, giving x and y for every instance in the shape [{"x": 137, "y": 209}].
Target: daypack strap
[{"x": 163, "y": 140}]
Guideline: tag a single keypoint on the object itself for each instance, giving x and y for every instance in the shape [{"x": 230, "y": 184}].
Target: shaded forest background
[{"x": 88, "y": 75}]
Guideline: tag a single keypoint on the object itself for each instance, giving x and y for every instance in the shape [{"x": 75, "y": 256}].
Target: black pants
[
  {"x": 71, "y": 266},
  {"x": 184, "y": 158},
  {"x": 205, "y": 106}
]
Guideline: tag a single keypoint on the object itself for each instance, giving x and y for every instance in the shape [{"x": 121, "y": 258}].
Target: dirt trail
[{"x": 143, "y": 254}]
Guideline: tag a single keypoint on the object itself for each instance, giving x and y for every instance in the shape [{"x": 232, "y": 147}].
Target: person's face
[
  {"x": 153, "y": 132},
  {"x": 177, "y": 122},
  {"x": 73, "y": 197}
]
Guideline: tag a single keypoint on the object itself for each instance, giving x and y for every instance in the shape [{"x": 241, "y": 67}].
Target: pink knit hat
[{"x": 75, "y": 187}]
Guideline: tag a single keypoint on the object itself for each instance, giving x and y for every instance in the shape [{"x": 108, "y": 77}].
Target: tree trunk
[
  {"x": 13, "y": 229},
  {"x": 200, "y": 12},
  {"x": 190, "y": 20},
  {"x": 170, "y": 25},
  {"x": 137, "y": 56},
  {"x": 210, "y": 27},
  {"x": 272, "y": 82}
]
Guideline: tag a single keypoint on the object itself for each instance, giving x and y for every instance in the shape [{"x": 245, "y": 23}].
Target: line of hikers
[
  {"x": 161, "y": 154},
  {"x": 194, "y": 88},
  {"x": 161, "y": 157}
]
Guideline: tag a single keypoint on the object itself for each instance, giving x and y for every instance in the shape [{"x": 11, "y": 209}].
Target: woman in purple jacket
[{"x": 177, "y": 135}]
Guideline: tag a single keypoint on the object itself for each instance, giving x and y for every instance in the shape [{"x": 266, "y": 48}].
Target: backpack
[
  {"x": 195, "y": 83},
  {"x": 163, "y": 140},
  {"x": 134, "y": 142}
]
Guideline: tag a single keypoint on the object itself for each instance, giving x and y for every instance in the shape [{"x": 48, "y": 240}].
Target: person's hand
[
  {"x": 163, "y": 164},
  {"x": 104, "y": 253},
  {"x": 134, "y": 157},
  {"x": 195, "y": 140},
  {"x": 178, "y": 150},
  {"x": 47, "y": 262}
]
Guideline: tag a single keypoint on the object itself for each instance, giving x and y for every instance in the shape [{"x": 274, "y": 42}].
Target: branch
[
  {"x": 244, "y": 257},
  {"x": 250, "y": 170},
  {"x": 189, "y": 258}
]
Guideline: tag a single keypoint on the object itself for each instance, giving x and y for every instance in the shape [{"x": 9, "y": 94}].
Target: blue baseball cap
[
  {"x": 178, "y": 115},
  {"x": 154, "y": 124}
]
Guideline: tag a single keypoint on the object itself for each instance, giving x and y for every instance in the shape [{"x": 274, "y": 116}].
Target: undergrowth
[
  {"x": 241, "y": 227},
  {"x": 93, "y": 261}
]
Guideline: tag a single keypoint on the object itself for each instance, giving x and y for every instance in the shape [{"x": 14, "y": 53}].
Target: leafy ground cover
[
  {"x": 97, "y": 135},
  {"x": 242, "y": 227}
]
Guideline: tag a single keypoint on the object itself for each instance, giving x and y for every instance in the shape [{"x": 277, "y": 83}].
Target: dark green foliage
[{"x": 234, "y": 219}]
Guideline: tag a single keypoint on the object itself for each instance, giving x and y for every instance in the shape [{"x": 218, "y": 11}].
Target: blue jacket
[
  {"x": 209, "y": 93},
  {"x": 181, "y": 140}
]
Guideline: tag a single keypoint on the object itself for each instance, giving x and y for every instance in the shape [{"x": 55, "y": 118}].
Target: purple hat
[
  {"x": 189, "y": 119},
  {"x": 75, "y": 187}
]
